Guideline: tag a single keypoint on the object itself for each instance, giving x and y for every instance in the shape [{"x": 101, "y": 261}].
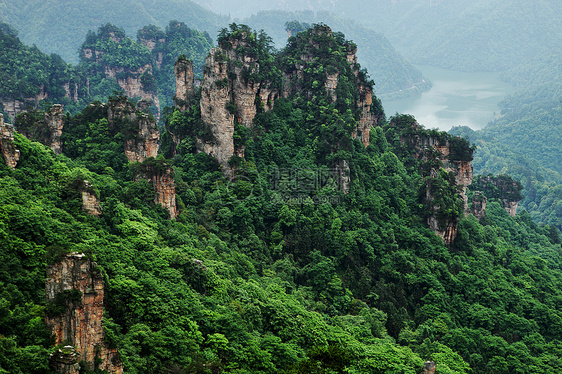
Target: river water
[{"x": 456, "y": 99}]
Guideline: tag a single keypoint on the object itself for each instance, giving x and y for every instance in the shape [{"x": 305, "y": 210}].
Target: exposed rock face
[
  {"x": 130, "y": 82},
  {"x": 231, "y": 93},
  {"x": 81, "y": 322},
  {"x": 429, "y": 367},
  {"x": 10, "y": 154},
  {"x": 184, "y": 82},
  {"x": 441, "y": 153},
  {"x": 165, "y": 190},
  {"x": 502, "y": 188},
  {"x": 71, "y": 90},
  {"x": 367, "y": 117},
  {"x": 462, "y": 170},
  {"x": 54, "y": 122},
  {"x": 215, "y": 94},
  {"x": 150, "y": 43},
  {"x": 332, "y": 84},
  {"x": 45, "y": 129},
  {"x": 479, "y": 202},
  {"x": 510, "y": 207},
  {"x": 90, "y": 202},
  {"x": 140, "y": 129},
  {"x": 65, "y": 360},
  {"x": 342, "y": 173},
  {"x": 12, "y": 106}
]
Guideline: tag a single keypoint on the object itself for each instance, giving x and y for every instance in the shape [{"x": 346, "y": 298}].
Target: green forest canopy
[{"x": 246, "y": 280}]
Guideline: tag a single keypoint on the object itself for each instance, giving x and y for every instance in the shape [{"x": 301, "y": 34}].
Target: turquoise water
[{"x": 456, "y": 99}]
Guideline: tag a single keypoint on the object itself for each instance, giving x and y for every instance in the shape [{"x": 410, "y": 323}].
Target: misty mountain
[
  {"x": 392, "y": 73},
  {"x": 59, "y": 26},
  {"x": 489, "y": 35}
]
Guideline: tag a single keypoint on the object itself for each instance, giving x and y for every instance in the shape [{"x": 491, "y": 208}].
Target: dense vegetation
[
  {"x": 127, "y": 57},
  {"x": 277, "y": 270},
  {"x": 43, "y": 24},
  {"x": 29, "y": 75},
  {"x": 395, "y": 77},
  {"x": 491, "y": 35},
  {"x": 26, "y": 72}
]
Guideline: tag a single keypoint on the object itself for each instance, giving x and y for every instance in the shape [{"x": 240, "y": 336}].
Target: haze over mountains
[{"x": 274, "y": 220}]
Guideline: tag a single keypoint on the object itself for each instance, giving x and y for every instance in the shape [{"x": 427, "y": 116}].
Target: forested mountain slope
[
  {"x": 272, "y": 266},
  {"x": 394, "y": 76},
  {"x": 38, "y": 23},
  {"x": 59, "y": 26},
  {"x": 479, "y": 35},
  {"x": 109, "y": 61},
  {"x": 524, "y": 141}
]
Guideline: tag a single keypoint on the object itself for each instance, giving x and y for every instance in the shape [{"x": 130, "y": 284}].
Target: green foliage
[
  {"x": 502, "y": 187},
  {"x": 276, "y": 269},
  {"x": 34, "y": 20},
  {"x": 394, "y": 75},
  {"x": 26, "y": 72},
  {"x": 63, "y": 301}
]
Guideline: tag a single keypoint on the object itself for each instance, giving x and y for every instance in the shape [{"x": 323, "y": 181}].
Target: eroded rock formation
[
  {"x": 230, "y": 92},
  {"x": 135, "y": 82},
  {"x": 10, "y": 154},
  {"x": 75, "y": 291},
  {"x": 503, "y": 188},
  {"x": 183, "y": 70},
  {"x": 215, "y": 94},
  {"x": 234, "y": 90},
  {"x": 54, "y": 123},
  {"x": 447, "y": 166},
  {"x": 90, "y": 201},
  {"x": 429, "y": 367},
  {"x": 165, "y": 189},
  {"x": 161, "y": 176},
  {"x": 45, "y": 128},
  {"x": 140, "y": 129},
  {"x": 479, "y": 202}
]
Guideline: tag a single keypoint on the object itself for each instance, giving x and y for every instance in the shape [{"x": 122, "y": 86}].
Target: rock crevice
[
  {"x": 10, "y": 154},
  {"x": 75, "y": 291}
]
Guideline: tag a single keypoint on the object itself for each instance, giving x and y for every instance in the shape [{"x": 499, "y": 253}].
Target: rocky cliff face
[
  {"x": 90, "y": 201},
  {"x": 54, "y": 123},
  {"x": 429, "y": 367},
  {"x": 44, "y": 128},
  {"x": 451, "y": 155},
  {"x": 231, "y": 92},
  {"x": 141, "y": 143},
  {"x": 130, "y": 82},
  {"x": 10, "y": 154},
  {"x": 503, "y": 188},
  {"x": 183, "y": 70},
  {"x": 215, "y": 94},
  {"x": 141, "y": 131},
  {"x": 479, "y": 202},
  {"x": 74, "y": 287},
  {"x": 462, "y": 169},
  {"x": 162, "y": 179}
]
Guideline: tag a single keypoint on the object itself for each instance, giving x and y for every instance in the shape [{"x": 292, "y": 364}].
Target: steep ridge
[
  {"x": 445, "y": 164},
  {"x": 241, "y": 80},
  {"x": 45, "y": 128},
  {"x": 9, "y": 151},
  {"x": 75, "y": 300}
]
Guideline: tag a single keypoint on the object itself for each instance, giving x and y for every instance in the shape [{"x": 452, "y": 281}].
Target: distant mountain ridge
[
  {"x": 59, "y": 26},
  {"x": 394, "y": 76},
  {"x": 480, "y": 35}
]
